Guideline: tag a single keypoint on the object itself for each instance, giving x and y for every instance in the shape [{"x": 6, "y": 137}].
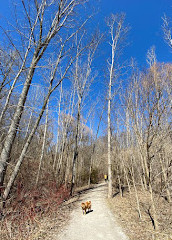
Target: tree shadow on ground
[
  {"x": 124, "y": 189},
  {"x": 78, "y": 193}
]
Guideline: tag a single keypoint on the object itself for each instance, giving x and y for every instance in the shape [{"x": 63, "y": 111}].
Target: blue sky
[{"x": 144, "y": 18}]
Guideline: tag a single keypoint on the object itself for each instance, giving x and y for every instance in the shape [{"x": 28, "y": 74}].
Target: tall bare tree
[
  {"x": 40, "y": 35},
  {"x": 118, "y": 33},
  {"x": 83, "y": 79}
]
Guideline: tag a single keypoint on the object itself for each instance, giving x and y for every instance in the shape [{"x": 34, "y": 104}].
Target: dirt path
[{"x": 96, "y": 225}]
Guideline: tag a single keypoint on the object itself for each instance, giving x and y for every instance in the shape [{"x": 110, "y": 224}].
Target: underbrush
[
  {"x": 24, "y": 217},
  {"x": 136, "y": 228}
]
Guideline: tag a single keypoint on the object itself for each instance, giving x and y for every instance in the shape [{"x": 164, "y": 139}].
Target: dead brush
[{"x": 22, "y": 218}]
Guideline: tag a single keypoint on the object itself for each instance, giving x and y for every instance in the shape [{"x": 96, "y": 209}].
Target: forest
[{"x": 65, "y": 122}]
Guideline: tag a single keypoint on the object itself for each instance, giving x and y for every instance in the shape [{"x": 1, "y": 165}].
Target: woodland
[{"x": 63, "y": 125}]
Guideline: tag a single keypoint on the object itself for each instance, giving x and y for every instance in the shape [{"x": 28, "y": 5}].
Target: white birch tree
[{"x": 118, "y": 33}]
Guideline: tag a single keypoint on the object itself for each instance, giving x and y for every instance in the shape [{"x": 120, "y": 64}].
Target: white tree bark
[{"x": 116, "y": 30}]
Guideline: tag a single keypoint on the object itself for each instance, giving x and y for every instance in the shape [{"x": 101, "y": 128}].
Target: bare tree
[
  {"x": 7, "y": 65},
  {"x": 118, "y": 33},
  {"x": 148, "y": 109},
  {"x": 43, "y": 146},
  {"x": 166, "y": 27},
  {"x": 83, "y": 79},
  {"x": 94, "y": 141},
  {"x": 59, "y": 108},
  {"x": 38, "y": 42}
]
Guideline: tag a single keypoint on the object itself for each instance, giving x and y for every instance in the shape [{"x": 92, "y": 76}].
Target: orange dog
[{"x": 86, "y": 206}]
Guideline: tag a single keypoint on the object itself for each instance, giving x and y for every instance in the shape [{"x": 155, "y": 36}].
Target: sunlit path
[{"x": 96, "y": 225}]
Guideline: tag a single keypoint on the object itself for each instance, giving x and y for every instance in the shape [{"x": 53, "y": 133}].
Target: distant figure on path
[{"x": 105, "y": 178}]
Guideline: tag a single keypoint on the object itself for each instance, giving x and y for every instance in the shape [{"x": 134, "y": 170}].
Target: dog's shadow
[{"x": 89, "y": 212}]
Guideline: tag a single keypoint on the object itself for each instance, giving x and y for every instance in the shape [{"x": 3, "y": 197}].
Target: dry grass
[
  {"x": 45, "y": 227},
  {"x": 32, "y": 214},
  {"x": 38, "y": 215},
  {"x": 125, "y": 210}
]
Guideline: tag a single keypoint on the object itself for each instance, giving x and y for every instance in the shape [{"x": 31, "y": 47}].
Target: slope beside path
[{"x": 96, "y": 225}]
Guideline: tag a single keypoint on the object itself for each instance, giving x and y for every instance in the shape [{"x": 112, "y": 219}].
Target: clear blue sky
[{"x": 144, "y": 18}]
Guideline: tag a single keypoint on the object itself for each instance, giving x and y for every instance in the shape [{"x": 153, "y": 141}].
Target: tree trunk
[
  {"x": 25, "y": 148},
  {"x": 58, "y": 21},
  {"x": 75, "y": 154},
  {"x": 109, "y": 126},
  {"x": 57, "y": 144},
  {"x": 116, "y": 29},
  {"x": 43, "y": 146},
  {"x": 5, "y": 154},
  {"x": 165, "y": 179},
  {"x": 135, "y": 189}
]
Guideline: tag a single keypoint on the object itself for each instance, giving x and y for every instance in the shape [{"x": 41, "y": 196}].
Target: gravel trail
[{"x": 96, "y": 225}]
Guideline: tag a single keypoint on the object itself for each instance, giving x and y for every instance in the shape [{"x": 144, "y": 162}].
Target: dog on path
[{"x": 86, "y": 207}]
